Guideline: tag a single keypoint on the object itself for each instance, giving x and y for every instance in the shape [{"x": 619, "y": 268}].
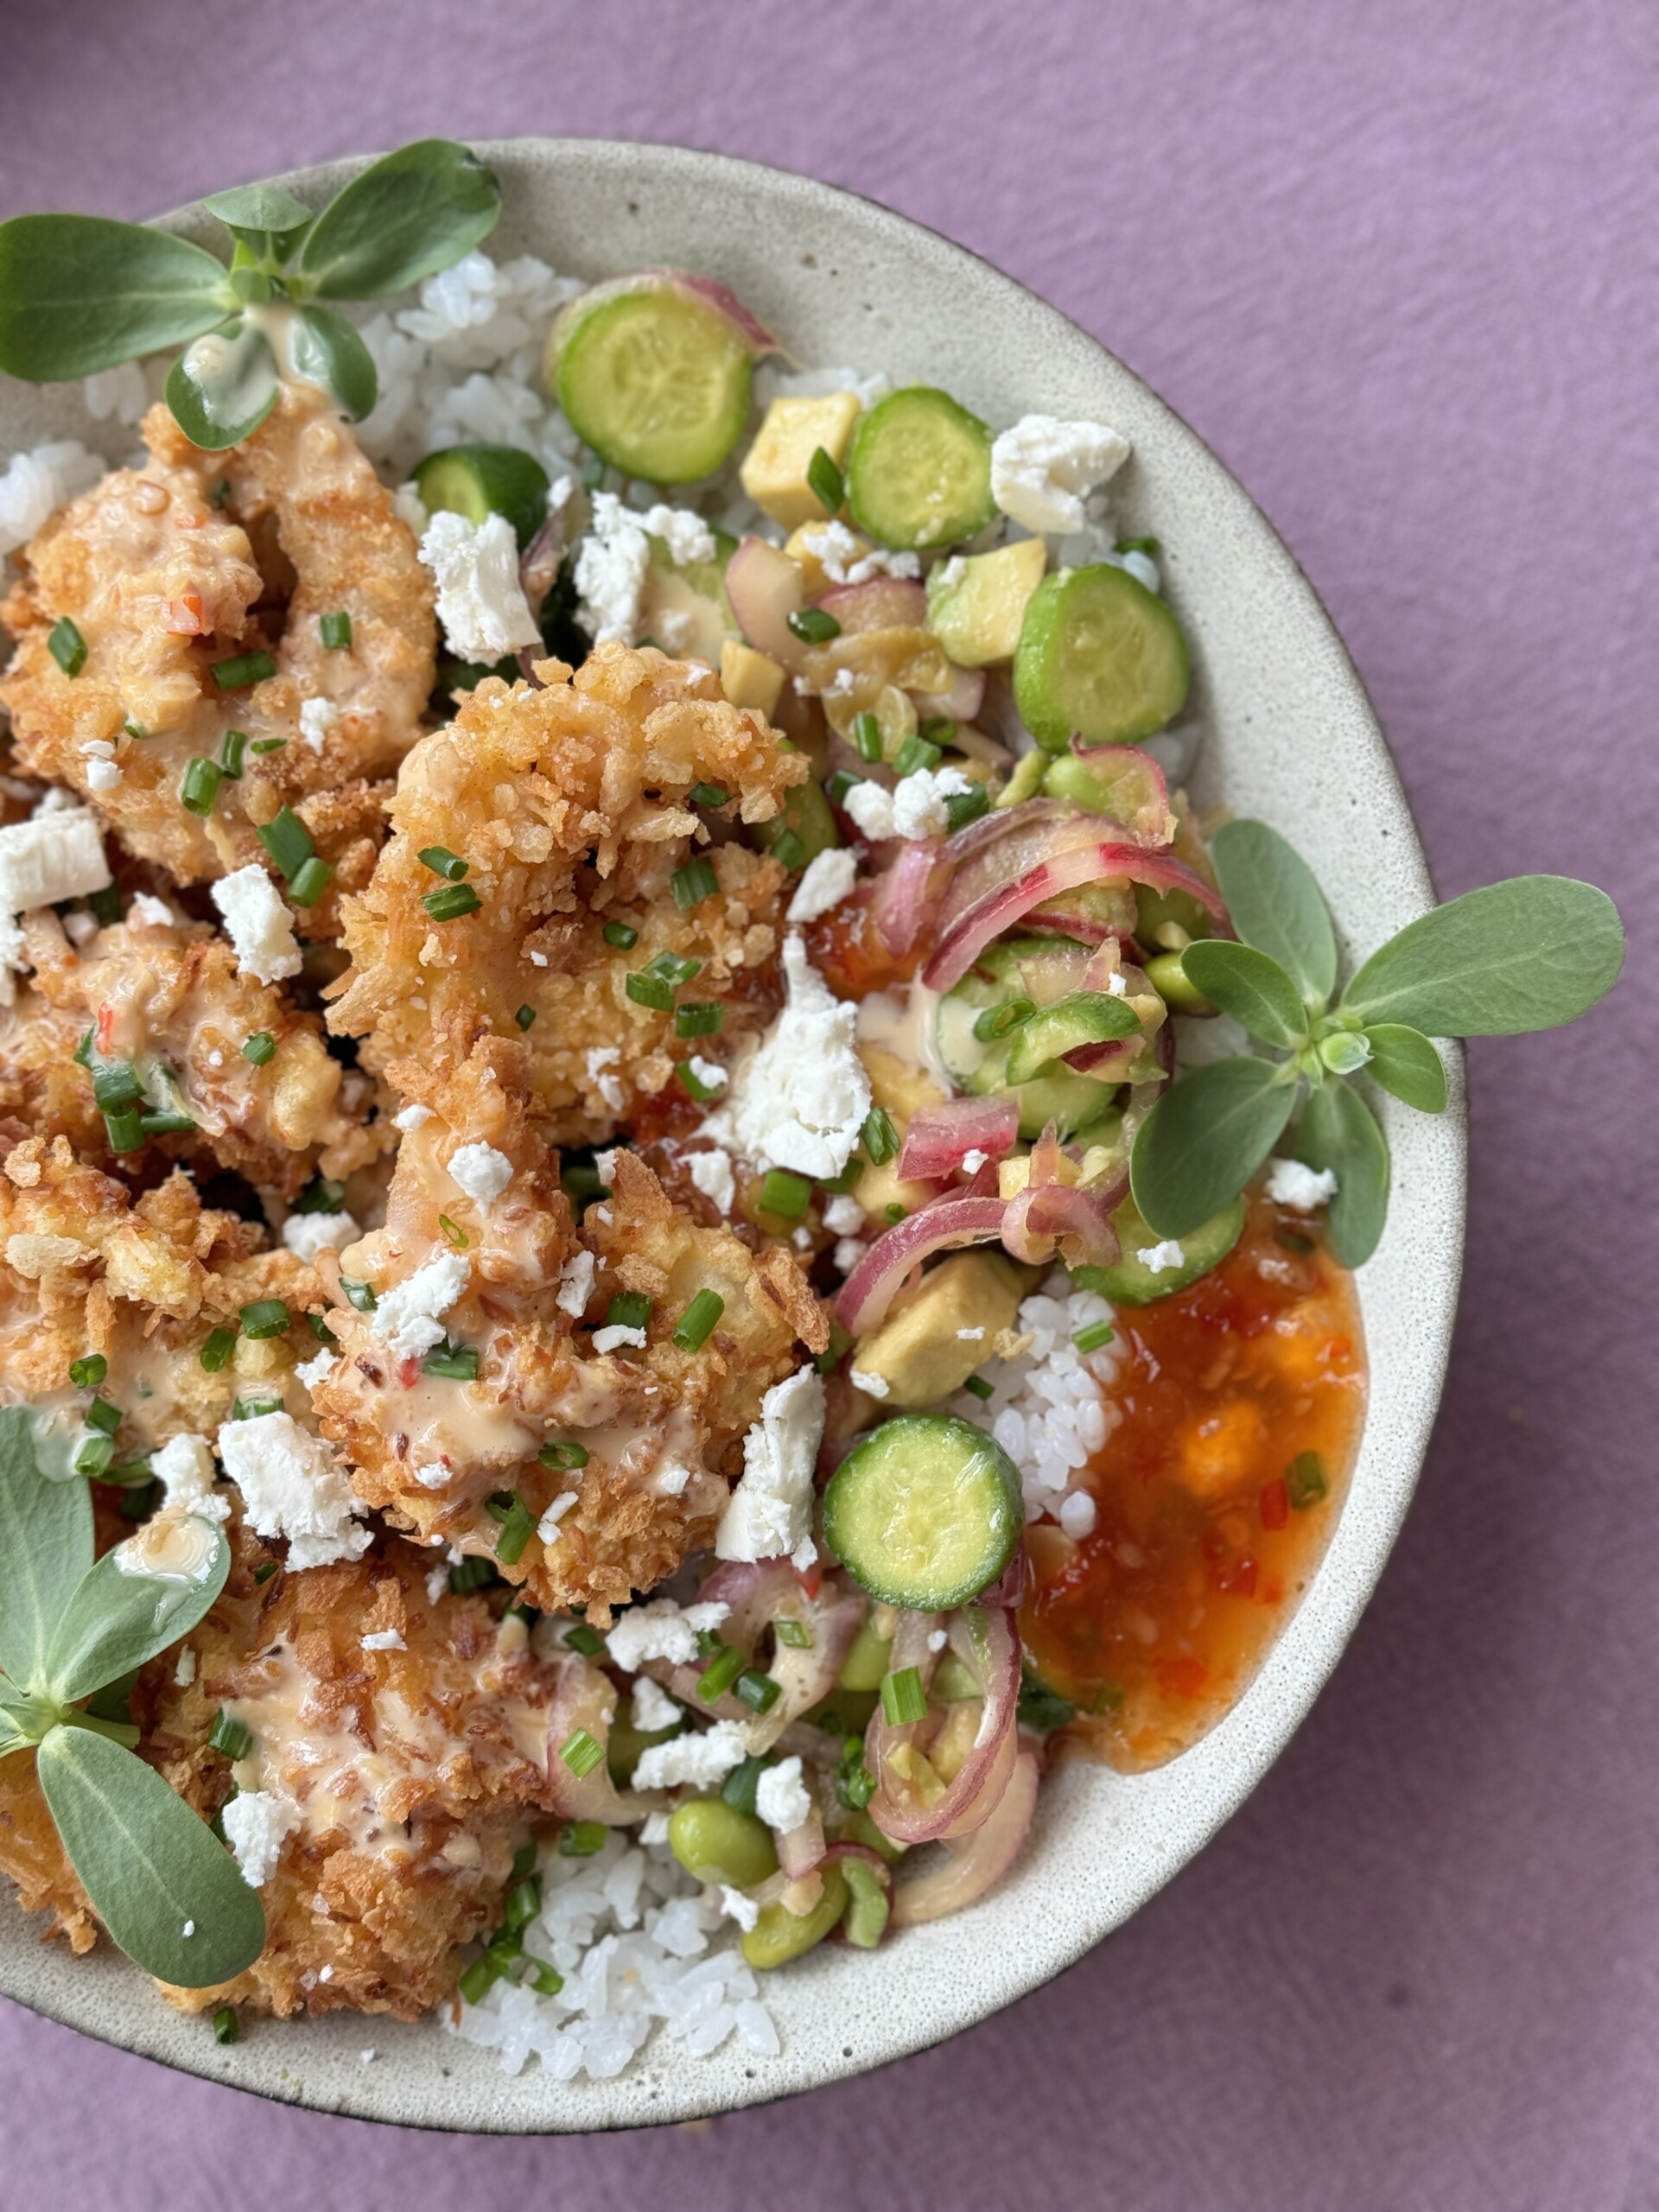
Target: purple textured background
[{"x": 1397, "y": 264}]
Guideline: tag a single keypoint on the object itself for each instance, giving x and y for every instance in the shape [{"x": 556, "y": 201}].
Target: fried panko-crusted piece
[
  {"x": 663, "y": 1428},
  {"x": 86, "y": 1268},
  {"x": 152, "y": 990},
  {"x": 199, "y": 558},
  {"x": 570, "y": 806},
  {"x": 32, "y": 1857}
]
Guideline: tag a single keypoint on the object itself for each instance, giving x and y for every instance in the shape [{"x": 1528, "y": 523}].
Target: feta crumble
[
  {"x": 709, "y": 1073},
  {"x": 1293, "y": 1183},
  {"x": 576, "y": 1284},
  {"x": 745, "y": 1911},
  {"x": 481, "y": 604},
  {"x": 184, "y": 1467},
  {"x": 548, "y": 1527},
  {"x": 799, "y": 1098},
  {"x": 258, "y": 924},
  {"x": 151, "y": 912},
  {"x": 408, "y": 1316},
  {"x": 843, "y": 1216},
  {"x": 770, "y": 1511},
  {"x": 866, "y": 1379},
  {"x": 308, "y": 1234},
  {"x": 616, "y": 1334},
  {"x": 846, "y": 560},
  {"x": 185, "y": 1673},
  {"x": 653, "y": 1708},
  {"x": 51, "y": 857},
  {"x": 1155, "y": 1258},
  {"x": 712, "y": 1173},
  {"x": 914, "y": 808},
  {"x": 481, "y": 1172},
  {"x": 257, "y": 1823},
  {"x": 615, "y": 558},
  {"x": 1043, "y": 469},
  {"x": 412, "y": 1118},
  {"x": 101, "y": 775},
  {"x": 384, "y": 1639},
  {"x": 704, "y": 1760},
  {"x": 661, "y": 1630},
  {"x": 313, "y": 1373},
  {"x": 292, "y": 1485},
  {"x": 317, "y": 718},
  {"x": 781, "y": 1798},
  {"x": 602, "y": 1061},
  {"x": 825, "y": 881},
  {"x": 972, "y": 1161}
]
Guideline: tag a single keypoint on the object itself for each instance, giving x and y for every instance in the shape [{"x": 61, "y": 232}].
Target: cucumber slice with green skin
[
  {"x": 478, "y": 481},
  {"x": 1080, "y": 1018},
  {"x": 657, "y": 383},
  {"x": 1042, "y": 970},
  {"x": 924, "y": 1512},
  {"x": 918, "y": 474},
  {"x": 1130, "y": 1283},
  {"x": 1099, "y": 657}
]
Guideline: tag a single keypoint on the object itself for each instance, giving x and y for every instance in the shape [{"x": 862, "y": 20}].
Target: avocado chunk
[{"x": 918, "y": 1352}]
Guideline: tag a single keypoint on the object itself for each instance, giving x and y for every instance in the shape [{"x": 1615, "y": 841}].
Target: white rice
[
  {"x": 34, "y": 485},
  {"x": 1049, "y": 1410},
  {"x": 641, "y": 1946}
]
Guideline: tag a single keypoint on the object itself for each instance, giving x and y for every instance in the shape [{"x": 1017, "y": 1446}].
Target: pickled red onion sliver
[
  {"x": 939, "y": 1137},
  {"x": 943, "y": 1225}
]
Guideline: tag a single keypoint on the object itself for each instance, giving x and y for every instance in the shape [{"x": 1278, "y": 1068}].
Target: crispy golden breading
[
  {"x": 662, "y": 1427},
  {"x": 86, "y": 1268},
  {"x": 570, "y": 806},
  {"x": 171, "y": 992},
  {"x": 31, "y": 1855},
  {"x": 162, "y": 583}
]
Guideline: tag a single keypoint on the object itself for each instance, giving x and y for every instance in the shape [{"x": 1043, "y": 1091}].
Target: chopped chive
[
  {"x": 867, "y": 735},
  {"x": 227, "y": 2028},
  {"x": 259, "y": 1048},
  {"x": 795, "y": 1634},
  {"x": 629, "y": 1309},
  {"x": 233, "y": 746},
  {"x": 88, "y": 1372},
  {"x": 694, "y": 882},
  {"x": 784, "y": 1193},
  {"x": 320, "y": 1330},
  {"x": 517, "y": 1525},
  {"x": 266, "y": 1317},
  {"x": 309, "y": 880},
  {"x": 524, "y": 1903},
  {"x": 649, "y": 990},
  {"x": 708, "y": 795},
  {"x": 938, "y": 729},
  {"x": 360, "y": 1294},
  {"x": 582, "y": 1753},
  {"x": 675, "y": 968},
  {"x": 742, "y": 1784},
  {"x": 257, "y": 1404},
  {"x": 526, "y": 1016},
  {"x": 135, "y": 729},
  {"x": 228, "y": 1734},
  {"x": 450, "y": 904},
  {"x": 915, "y": 752},
  {"x": 265, "y": 1569},
  {"x": 453, "y": 1363},
  {"x": 164, "y": 1125},
  {"x": 288, "y": 841},
  {"x": 880, "y": 1138},
  {"x": 546, "y": 1980},
  {"x": 95, "y": 1455},
  {"x": 1096, "y": 1334},
  {"x": 268, "y": 745},
  {"x": 115, "y": 1083},
  {"x": 563, "y": 1455},
  {"x": 67, "y": 647},
  {"x": 523, "y": 1861},
  {"x": 758, "y": 1691},
  {"x": 694, "y": 1326},
  {"x": 103, "y": 1416},
  {"x": 124, "y": 1128},
  {"x": 895, "y": 1213},
  {"x": 621, "y": 935},
  {"x": 200, "y": 786},
  {"x": 214, "y": 1354},
  {"x": 1149, "y": 546},
  {"x": 854, "y": 1784},
  {"x": 243, "y": 668},
  {"x": 698, "y": 1020},
  {"x": 579, "y": 1179},
  {"x": 840, "y": 784},
  {"x": 979, "y": 1386},
  {"x": 813, "y": 627},
  {"x": 219, "y": 494},
  {"x": 335, "y": 630},
  {"x": 442, "y": 861},
  {"x": 721, "y": 1672},
  {"x": 322, "y": 1195},
  {"x": 454, "y": 1231},
  {"x": 788, "y": 851},
  {"x": 106, "y": 906},
  {"x": 903, "y": 1699},
  {"x": 709, "y": 1642},
  {"x": 998, "y": 1020},
  {"x": 583, "y": 1839},
  {"x": 701, "y": 1091},
  {"x": 473, "y": 1574},
  {"x": 825, "y": 481},
  {"x": 586, "y": 1640},
  {"x": 963, "y": 807},
  {"x": 1305, "y": 1480},
  {"x": 478, "y": 1980},
  {"x": 594, "y": 476}
]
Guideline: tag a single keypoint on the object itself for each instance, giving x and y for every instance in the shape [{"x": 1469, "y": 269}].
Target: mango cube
[{"x": 775, "y": 468}]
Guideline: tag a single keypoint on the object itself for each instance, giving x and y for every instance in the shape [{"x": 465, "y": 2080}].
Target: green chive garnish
[
  {"x": 979, "y": 1386},
  {"x": 219, "y": 494},
  {"x": 266, "y": 1317},
  {"x": 825, "y": 478},
  {"x": 758, "y": 1691},
  {"x": 200, "y": 786},
  {"x": 322, "y": 1195},
  {"x": 442, "y": 861},
  {"x": 265, "y": 1569},
  {"x": 67, "y": 647},
  {"x": 106, "y": 905},
  {"x": 451, "y": 903},
  {"x": 781, "y": 1193},
  {"x": 698, "y": 1020},
  {"x": 588, "y": 1641},
  {"x": 228, "y": 1734},
  {"x": 526, "y": 1016},
  {"x": 1304, "y": 1479},
  {"x": 233, "y": 746},
  {"x": 840, "y": 784},
  {"x": 788, "y": 851},
  {"x": 472, "y": 1573},
  {"x": 164, "y": 1125},
  {"x": 621, "y": 935},
  {"x": 453, "y": 1363},
  {"x": 360, "y": 1294},
  {"x": 452, "y": 1230},
  {"x": 649, "y": 990},
  {"x": 216, "y": 1352},
  {"x": 518, "y": 1524},
  {"x": 880, "y": 1138},
  {"x": 288, "y": 841},
  {"x": 320, "y": 1330},
  {"x": 694, "y": 882},
  {"x": 580, "y": 1753},
  {"x": 103, "y": 1416},
  {"x": 708, "y": 795},
  {"x": 583, "y": 1839},
  {"x": 256, "y": 1404},
  {"x": 795, "y": 1634},
  {"x": 903, "y": 1699},
  {"x": 260, "y": 1048},
  {"x": 721, "y": 1672},
  {"x": 563, "y": 1455},
  {"x": 692, "y": 1330},
  {"x": 94, "y": 1456},
  {"x": 963, "y": 807},
  {"x": 867, "y": 735},
  {"x": 225, "y": 2025},
  {"x": 1092, "y": 1338},
  {"x": 675, "y": 968},
  {"x": 243, "y": 668},
  {"x": 915, "y": 752},
  {"x": 134, "y": 729},
  {"x": 309, "y": 880},
  {"x": 268, "y": 745},
  {"x": 335, "y": 630},
  {"x": 813, "y": 627},
  {"x": 629, "y": 1309},
  {"x": 701, "y": 1091},
  {"x": 88, "y": 1372}
]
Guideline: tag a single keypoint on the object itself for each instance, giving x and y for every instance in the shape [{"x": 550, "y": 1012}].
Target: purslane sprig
[
  {"x": 1525, "y": 955},
  {"x": 169, "y": 1893},
  {"x": 80, "y": 293}
]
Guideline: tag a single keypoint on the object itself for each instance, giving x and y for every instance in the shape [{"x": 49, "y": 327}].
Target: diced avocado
[
  {"x": 917, "y": 1350},
  {"x": 749, "y": 678},
  {"x": 1131, "y": 1282},
  {"x": 775, "y": 468},
  {"x": 976, "y": 603}
]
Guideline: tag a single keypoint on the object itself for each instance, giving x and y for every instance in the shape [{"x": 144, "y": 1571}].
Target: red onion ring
[
  {"x": 879, "y": 603},
  {"x": 1047, "y": 1215},
  {"x": 763, "y": 588},
  {"x": 943, "y": 1225},
  {"x": 986, "y": 1638},
  {"x": 974, "y": 1865},
  {"x": 906, "y": 897},
  {"x": 939, "y": 1137},
  {"x": 584, "y": 1697},
  {"x": 1137, "y": 779}
]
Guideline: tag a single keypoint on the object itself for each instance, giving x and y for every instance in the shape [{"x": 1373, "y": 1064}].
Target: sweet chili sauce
[{"x": 1239, "y": 1403}]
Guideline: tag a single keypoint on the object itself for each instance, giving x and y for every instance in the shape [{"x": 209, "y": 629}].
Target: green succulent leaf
[
  {"x": 1251, "y": 986},
  {"x": 1276, "y": 904},
  {"x": 117, "y": 1620},
  {"x": 79, "y": 293},
  {"x": 46, "y": 1546},
  {"x": 1529, "y": 954},
  {"x": 23, "y": 1720},
  {"x": 262, "y": 217},
  {"x": 223, "y": 387},
  {"x": 1339, "y": 1131},
  {"x": 1204, "y": 1139},
  {"x": 1404, "y": 1061},
  {"x": 150, "y": 1866},
  {"x": 405, "y": 217},
  {"x": 323, "y": 346}
]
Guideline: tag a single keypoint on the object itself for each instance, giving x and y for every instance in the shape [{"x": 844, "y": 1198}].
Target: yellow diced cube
[
  {"x": 775, "y": 468},
  {"x": 749, "y": 678},
  {"x": 802, "y": 546},
  {"x": 976, "y": 603}
]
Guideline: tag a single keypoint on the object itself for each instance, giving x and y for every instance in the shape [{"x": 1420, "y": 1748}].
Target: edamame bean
[
  {"x": 869, "y": 1903},
  {"x": 779, "y": 1936},
  {"x": 1173, "y": 985},
  {"x": 716, "y": 1843}
]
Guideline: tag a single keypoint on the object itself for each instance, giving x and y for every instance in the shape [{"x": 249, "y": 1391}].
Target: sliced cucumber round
[
  {"x": 657, "y": 383},
  {"x": 1041, "y": 971},
  {"x": 924, "y": 1512},
  {"x": 1080, "y": 1018},
  {"x": 478, "y": 481},
  {"x": 918, "y": 474},
  {"x": 1099, "y": 657},
  {"x": 1131, "y": 1282}
]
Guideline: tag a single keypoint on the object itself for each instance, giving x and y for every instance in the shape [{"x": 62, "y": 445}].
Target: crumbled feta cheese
[
  {"x": 770, "y": 1512},
  {"x": 548, "y": 1527},
  {"x": 412, "y": 1118},
  {"x": 661, "y": 1630},
  {"x": 745, "y": 1911},
  {"x": 914, "y": 808},
  {"x": 971, "y": 1336},
  {"x": 601, "y": 1059},
  {"x": 481, "y": 1172},
  {"x": 185, "y": 1673},
  {"x": 849, "y": 1251},
  {"x": 686, "y": 534},
  {"x": 781, "y": 1798},
  {"x": 825, "y": 881},
  {"x": 437, "y": 1581},
  {"x": 258, "y": 924},
  {"x": 937, "y": 1639},
  {"x": 313, "y": 1373},
  {"x": 1154, "y": 1258},
  {"x": 184, "y": 1467},
  {"x": 1293, "y": 1183},
  {"x": 799, "y": 1098},
  {"x": 703, "y": 1760},
  {"x": 101, "y": 775},
  {"x": 308, "y": 1234},
  {"x": 256, "y": 1823},
  {"x": 712, "y": 1173},
  {"x": 1043, "y": 469},
  {"x": 481, "y": 603},
  {"x": 50, "y": 857},
  {"x": 189, "y": 1927},
  {"x": 1115, "y": 986},
  {"x": 653, "y": 1708},
  {"x": 1076, "y": 1513},
  {"x": 576, "y": 1284},
  {"x": 972, "y": 1161},
  {"x": 317, "y": 718},
  {"x": 866, "y": 1379},
  {"x": 708, "y": 1073},
  {"x": 149, "y": 912},
  {"x": 292, "y": 1485},
  {"x": 846, "y": 560},
  {"x": 384, "y": 1639},
  {"x": 615, "y": 1335},
  {"x": 408, "y": 1317},
  {"x": 79, "y": 929},
  {"x": 843, "y": 1216},
  {"x": 433, "y": 1474}
]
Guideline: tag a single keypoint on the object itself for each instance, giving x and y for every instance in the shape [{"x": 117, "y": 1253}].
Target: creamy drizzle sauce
[
  {"x": 900, "y": 1021},
  {"x": 171, "y": 1546}
]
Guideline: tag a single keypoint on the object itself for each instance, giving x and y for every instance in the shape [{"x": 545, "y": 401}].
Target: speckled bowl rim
[{"x": 1116, "y": 1840}]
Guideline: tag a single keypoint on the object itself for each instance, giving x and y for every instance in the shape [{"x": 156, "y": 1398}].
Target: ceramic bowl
[{"x": 1291, "y": 737}]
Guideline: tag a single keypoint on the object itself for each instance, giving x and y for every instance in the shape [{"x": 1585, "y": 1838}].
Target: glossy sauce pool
[{"x": 1241, "y": 1402}]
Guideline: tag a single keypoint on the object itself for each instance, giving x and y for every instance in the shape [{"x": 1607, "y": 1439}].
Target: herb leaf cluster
[
  {"x": 80, "y": 293},
  {"x": 1529, "y": 954}
]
